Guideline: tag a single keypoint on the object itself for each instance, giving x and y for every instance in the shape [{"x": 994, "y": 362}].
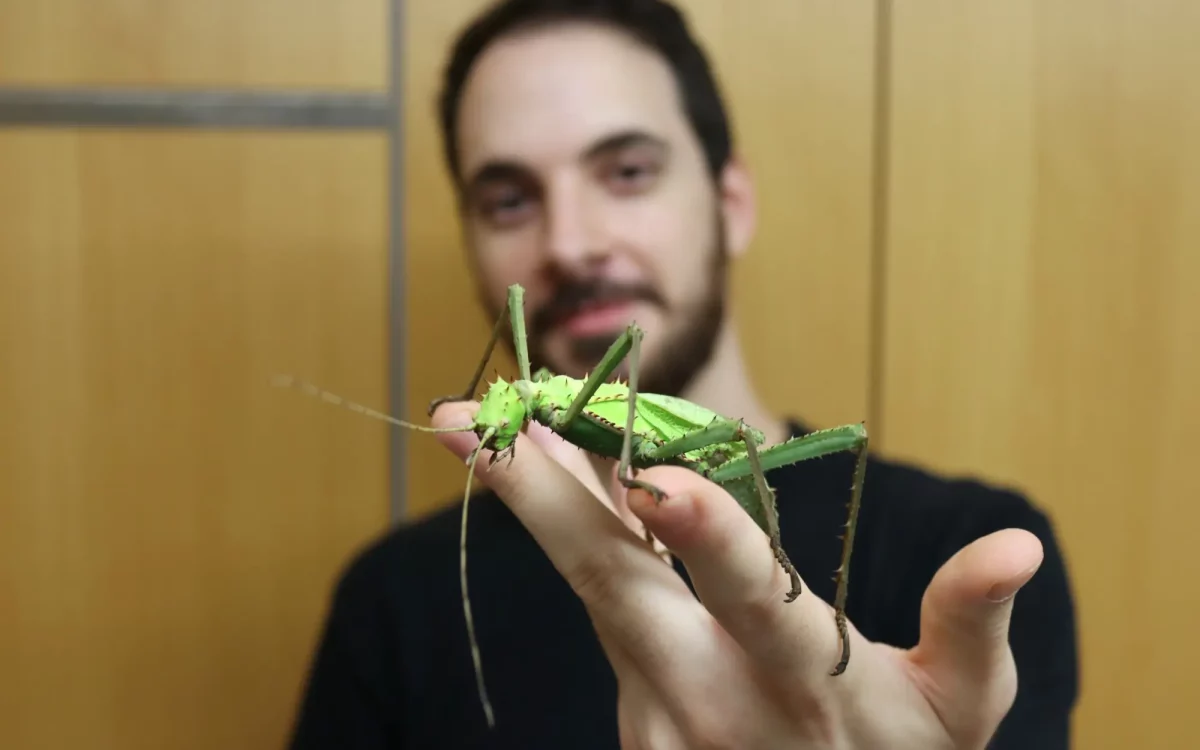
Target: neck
[{"x": 725, "y": 387}]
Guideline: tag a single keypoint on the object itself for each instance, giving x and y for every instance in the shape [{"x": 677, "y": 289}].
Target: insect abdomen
[{"x": 587, "y": 432}]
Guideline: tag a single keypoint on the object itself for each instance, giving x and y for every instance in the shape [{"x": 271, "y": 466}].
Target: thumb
[{"x": 965, "y": 616}]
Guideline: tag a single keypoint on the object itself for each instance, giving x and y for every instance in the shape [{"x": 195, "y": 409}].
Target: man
[{"x": 590, "y": 152}]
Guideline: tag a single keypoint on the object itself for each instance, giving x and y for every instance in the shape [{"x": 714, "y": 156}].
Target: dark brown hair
[{"x": 656, "y": 23}]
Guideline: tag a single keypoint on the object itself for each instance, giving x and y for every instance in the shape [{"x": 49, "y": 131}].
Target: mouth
[
  {"x": 598, "y": 317},
  {"x": 587, "y": 311}
]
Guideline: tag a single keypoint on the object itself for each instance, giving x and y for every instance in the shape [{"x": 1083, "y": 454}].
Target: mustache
[{"x": 572, "y": 296}]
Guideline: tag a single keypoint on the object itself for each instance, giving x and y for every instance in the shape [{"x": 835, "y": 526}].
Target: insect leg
[
  {"x": 718, "y": 431},
  {"x": 624, "y": 468},
  {"x": 851, "y": 438},
  {"x": 766, "y": 500},
  {"x": 514, "y": 311},
  {"x": 608, "y": 364},
  {"x": 627, "y": 344},
  {"x": 468, "y": 394},
  {"x": 761, "y": 499}
]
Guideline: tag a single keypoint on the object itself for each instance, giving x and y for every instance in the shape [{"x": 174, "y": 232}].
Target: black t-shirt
[{"x": 394, "y": 667}]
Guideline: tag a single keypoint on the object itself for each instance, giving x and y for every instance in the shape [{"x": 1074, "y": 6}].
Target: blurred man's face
[{"x": 586, "y": 185}]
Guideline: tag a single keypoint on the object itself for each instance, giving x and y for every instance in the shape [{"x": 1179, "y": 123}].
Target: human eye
[
  {"x": 503, "y": 204},
  {"x": 631, "y": 173}
]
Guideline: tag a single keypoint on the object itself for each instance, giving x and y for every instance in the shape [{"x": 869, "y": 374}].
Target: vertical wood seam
[
  {"x": 397, "y": 336},
  {"x": 880, "y": 156}
]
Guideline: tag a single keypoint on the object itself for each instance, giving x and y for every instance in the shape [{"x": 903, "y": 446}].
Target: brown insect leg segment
[
  {"x": 624, "y": 469},
  {"x": 469, "y": 393},
  {"x": 767, "y": 498},
  {"x": 725, "y": 431}
]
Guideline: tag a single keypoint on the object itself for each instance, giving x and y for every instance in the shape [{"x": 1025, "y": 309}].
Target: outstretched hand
[{"x": 740, "y": 667}]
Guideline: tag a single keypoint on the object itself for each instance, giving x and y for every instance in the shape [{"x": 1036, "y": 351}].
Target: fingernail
[
  {"x": 1006, "y": 590},
  {"x": 646, "y": 500},
  {"x": 458, "y": 417}
]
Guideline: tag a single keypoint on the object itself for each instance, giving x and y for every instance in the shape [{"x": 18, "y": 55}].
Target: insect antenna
[
  {"x": 287, "y": 381},
  {"x": 462, "y": 559}
]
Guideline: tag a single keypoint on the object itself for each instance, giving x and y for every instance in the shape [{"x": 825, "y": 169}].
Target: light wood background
[
  {"x": 170, "y": 526},
  {"x": 1041, "y": 317},
  {"x": 1004, "y": 293}
]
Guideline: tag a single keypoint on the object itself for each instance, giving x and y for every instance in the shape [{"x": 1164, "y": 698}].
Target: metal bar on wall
[
  {"x": 117, "y": 107},
  {"x": 103, "y": 107},
  {"x": 880, "y": 156}
]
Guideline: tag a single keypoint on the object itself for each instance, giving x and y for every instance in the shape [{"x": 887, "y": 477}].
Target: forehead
[{"x": 545, "y": 95}]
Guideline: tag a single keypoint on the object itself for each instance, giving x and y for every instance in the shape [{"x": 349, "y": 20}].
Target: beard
[{"x": 681, "y": 354}]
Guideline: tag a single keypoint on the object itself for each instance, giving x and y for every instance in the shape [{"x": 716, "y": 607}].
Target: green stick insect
[{"x": 640, "y": 430}]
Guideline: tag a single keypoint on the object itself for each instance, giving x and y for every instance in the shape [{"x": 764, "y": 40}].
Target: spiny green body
[
  {"x": 600, "y": 428},
  {"x": 659, "y": 420},
  {"x": 640, "y": 430}
]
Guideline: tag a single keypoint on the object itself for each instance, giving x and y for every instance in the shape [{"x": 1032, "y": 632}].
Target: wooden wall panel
[
  {"x": 225, "y": 43},
  {"x": 799, "y": 81},
  {"x": 445, "y": 330},
  {"x": 798, "y": 78},
  {"x": 1042, "y": 326},
  {"x": 170, "y": 525}
]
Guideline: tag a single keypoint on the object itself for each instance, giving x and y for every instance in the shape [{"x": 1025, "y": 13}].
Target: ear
[{"x": 739, "y": 206}]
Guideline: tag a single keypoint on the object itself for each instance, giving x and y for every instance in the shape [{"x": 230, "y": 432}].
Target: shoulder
[
  {"x": 920, "y": 519},
  {"x": 933, "y": 514},
  {"x": 912, "y": 520},
  {"x": 919, "y": 507},
  {"x": 414, "y": 566},
  {"x": 417, "y": 549},
  {"x": 393, "y": 640},
  {"x": 946, "y": 507}
]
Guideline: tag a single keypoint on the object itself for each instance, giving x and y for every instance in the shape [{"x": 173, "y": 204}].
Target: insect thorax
[{"x": 503, "y": 408}]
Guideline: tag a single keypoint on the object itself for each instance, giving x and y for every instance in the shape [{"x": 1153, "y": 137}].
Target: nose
[{"x": 572, "y": 237}]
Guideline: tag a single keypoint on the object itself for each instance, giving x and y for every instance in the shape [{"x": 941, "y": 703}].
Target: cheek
[
  {"x": 676, "y": 212},
  {"x": 505, "y": 261},
  {"x": 670, "y": 240}
]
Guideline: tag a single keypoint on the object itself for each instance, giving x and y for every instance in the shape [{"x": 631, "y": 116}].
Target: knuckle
[
  {"x": 763, "y": 606},
  {"x": 595, "y": 576},
  {"x": 710, "y": 730}
]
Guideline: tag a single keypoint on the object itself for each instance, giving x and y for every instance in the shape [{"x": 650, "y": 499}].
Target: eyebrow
[
  {"x": 501, "y": 169},
  {"x": 625, "y": 139}
]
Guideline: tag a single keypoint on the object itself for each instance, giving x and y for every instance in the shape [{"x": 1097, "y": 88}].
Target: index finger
[
  {"x": 590, "y": 546},
  {"x": 739, "y": 578}
]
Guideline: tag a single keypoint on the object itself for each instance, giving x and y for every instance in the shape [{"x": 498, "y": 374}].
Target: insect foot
[
  {"x": 434, "y": 404},
  {"x": 510, "y": 452},
  {"x": 655, "y": 492},
  {"x": 786, "y": 562}
]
